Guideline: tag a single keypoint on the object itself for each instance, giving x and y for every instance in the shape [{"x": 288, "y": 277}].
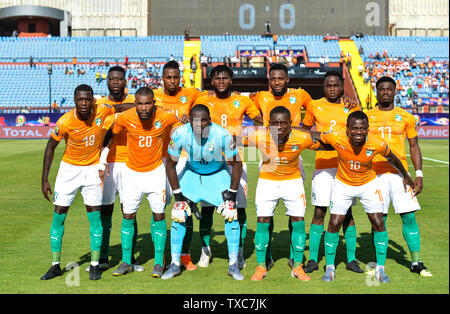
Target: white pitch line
[{"x": 431, "y": 159}]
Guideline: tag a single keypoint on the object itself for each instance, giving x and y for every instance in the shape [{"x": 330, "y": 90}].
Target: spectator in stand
[
  {"x": 32, "y": 64},
  {"x": 209, "y": 60},
  {"x": 203, "y": 60},
  {"x": 74, "y": 62},
  {"x": 55, "y": 107}
]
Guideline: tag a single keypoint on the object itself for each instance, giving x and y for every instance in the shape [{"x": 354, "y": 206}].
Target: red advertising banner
[
  {"x": 25, "y": 132},
  {"x": 432, "y": 131}
]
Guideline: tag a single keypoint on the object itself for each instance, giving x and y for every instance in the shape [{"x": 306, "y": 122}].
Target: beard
[
  {"x": 224, "y": 93},
  {"x": 280, "y": 93}
]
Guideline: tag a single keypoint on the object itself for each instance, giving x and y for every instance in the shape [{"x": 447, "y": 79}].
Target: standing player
[
  {"x": 355, "y": 177},
  {"x": 280, "y": 178},
  {"x": 228, "y": 110},
  {"x": 328, "y": 114},
  {"x": 81, "y": 128},
  {"x": 179, "y": 101},
  {"x": 394, "y": 125},
  {"x": 117, "y": 158},
  {"x": 146, "y": 127},
  {"x": 205, "y": 178}
]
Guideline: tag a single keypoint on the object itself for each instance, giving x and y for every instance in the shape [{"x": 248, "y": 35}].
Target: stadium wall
[{"x": 99, "y": 17}]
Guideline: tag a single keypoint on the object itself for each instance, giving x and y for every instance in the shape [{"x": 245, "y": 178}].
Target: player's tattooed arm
[
  {"x": 397, "y": 164},
  {"x": 48, "y": 159},
  {"x": 416, "y": 157}
]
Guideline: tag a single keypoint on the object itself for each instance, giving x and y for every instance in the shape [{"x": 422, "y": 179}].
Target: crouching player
[
  {"x": 280, "y": 178},
  {"x": 356, "y": 178},
  {"x": 205, "y": 178}
]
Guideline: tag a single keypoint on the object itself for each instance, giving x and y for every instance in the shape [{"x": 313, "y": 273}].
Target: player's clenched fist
[
  {"x": 179, "y": 208},
  {"x": 229, "y": 205}
]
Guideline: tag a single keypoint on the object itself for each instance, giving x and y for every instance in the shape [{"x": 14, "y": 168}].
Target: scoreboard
[{"x": 249, "y": 17}]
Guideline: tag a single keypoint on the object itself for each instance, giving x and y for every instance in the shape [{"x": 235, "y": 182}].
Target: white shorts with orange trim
[
  {"x": 137, "y": 184},
  {"x": 112, "y": 185},
  {"x": 269, "y": 193},
  {"x": 321, "y": 184},
  {"x": 392, "y": 189},
  {"x": 71, "y": 178},
  {"x": 343, "y": 195}
]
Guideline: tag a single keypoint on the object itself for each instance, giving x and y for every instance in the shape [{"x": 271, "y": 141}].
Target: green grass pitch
[{"x": 25, "y": 246}]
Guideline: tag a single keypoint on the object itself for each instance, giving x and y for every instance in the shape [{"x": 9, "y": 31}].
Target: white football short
[
  {"x": 137, "y": 184},
  {"x": 322, "y": 181},
  {"x": 343, "y": 195},
  {"x": 113, "y": 183},
  {"x": 392, "y": 189},
  {"x": 71, "y": 178},
  {"x": 269, "y": 192}
]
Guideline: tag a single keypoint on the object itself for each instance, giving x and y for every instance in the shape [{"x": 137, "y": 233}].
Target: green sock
[
  {"x": 315, "y": 236},
  {"x": 350, "y": 242},
  {"x": 298, "y": 240},
  {"x": 126, "y": 236},
  {"x": 381, "y": 244},
  {"x": 56, "y": 236},
  {"x": 331, "y": 241},
  {"x": 269, "y": 245},
  {"x": 372, "y": 233},
  {"x": 261, "y": 242},
  {"x": 96, "y": 233},
  {"x": 411, "y": 234},
  {"x": 242, "y": 218},
  {"x": 188, "y": 236},
  {"x": 106, "y": 224},
  {"x": 205, "y": 226},
  {"x": 159, "y": 232}
]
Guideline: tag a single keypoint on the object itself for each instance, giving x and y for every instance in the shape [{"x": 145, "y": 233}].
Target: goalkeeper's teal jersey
[{"x": 206, "y": 155}]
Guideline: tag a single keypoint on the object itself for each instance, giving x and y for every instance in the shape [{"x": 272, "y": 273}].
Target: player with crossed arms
[
  {"x": 355, "y": 178},
  {"x": 227, "y": 110},
  {"x": 81, "y": 128},
  {"x": 205, "y": 178},
  {"x": 394, "y": 125},
  {"x": 146, "y": 127}
]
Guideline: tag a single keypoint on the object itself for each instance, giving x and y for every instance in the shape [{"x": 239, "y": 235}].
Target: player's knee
[
  {"x": 61, "y": 209},
  {"x": 319, "y": 215},
  {"x": 335, "y": 223},
  {"x": 158, "y": 216}
]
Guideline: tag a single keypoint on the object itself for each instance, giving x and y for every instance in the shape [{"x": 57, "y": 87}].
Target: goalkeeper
[{"x": 204, "y": 178}]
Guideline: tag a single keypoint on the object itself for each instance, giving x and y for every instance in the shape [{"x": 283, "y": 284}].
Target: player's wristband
[
  {"x": 178, "y": 196},
  {"x": 104, "y": 156},
  {"x": 229, "y": 195},
  {"x": 419, "y": 173}
]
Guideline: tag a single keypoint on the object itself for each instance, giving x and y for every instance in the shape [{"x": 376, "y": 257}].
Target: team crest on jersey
[
  {"x": 294, "y": 147},
  {"x": 292, "y": 99},
  {"x": 157, "y": 124},
  {"x": 237, "y": 103},
  {"x": 210, "y": 147},
  {"x": 398, "y": 117},
  {"x": 56, "y": 130},
  {"x": 369, "y": 153},
  {"x": 183, "y": 99},
  {"x": 171, "y": 143},
  {"x": 98, "y": 121},
  {"x": 346, "y": 110}
]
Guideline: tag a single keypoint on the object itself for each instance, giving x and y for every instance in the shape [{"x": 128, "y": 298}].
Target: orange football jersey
[
  {"x": 326, "y": 116},
  {"x": 393, "y": 127},
  {"x": 179, "y": 104},
  {"x": 83, "y": 138},
  {"x": 280, "y": 163},
  {"x": 355, "y": 169},
  {"x": 118, "y": 149},
  {"x": 145, "y": 139},
  {"x": 294, "y": 100},
  {"x": 229, "y": 112}
]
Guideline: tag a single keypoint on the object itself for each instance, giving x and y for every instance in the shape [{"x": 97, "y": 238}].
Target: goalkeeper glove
[
  {"x": 229, "y": 205},
  {"x": 180, "y": 207}
]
